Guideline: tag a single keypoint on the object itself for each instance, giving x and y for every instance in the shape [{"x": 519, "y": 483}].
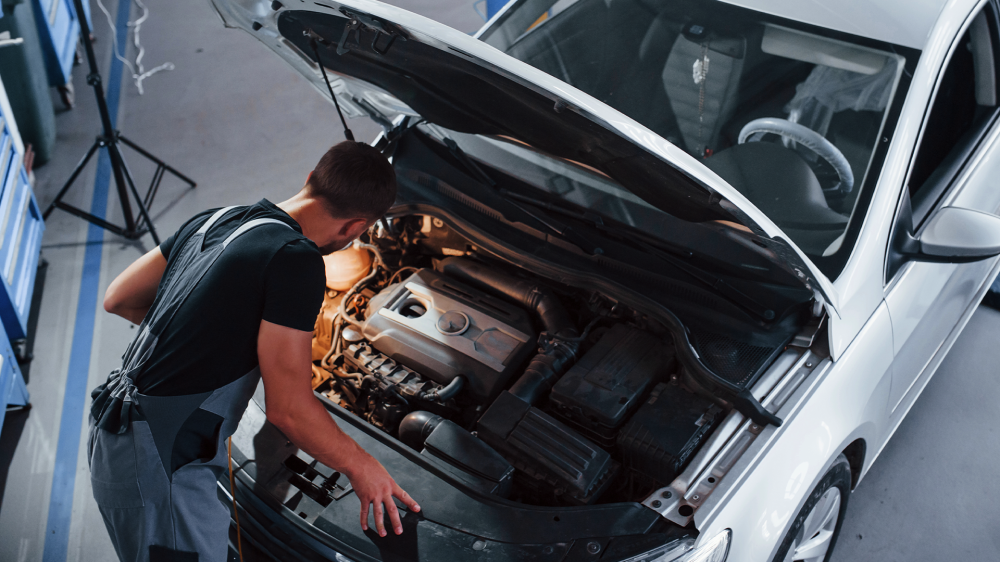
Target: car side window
[{"x": 962, "y": 112}]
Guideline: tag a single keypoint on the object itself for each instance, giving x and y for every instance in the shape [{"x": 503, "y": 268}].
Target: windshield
[{"x": 790, "y": 117}]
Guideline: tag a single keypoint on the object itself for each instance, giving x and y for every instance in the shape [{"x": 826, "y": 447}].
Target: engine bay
[{"x": 516, "y": 385}]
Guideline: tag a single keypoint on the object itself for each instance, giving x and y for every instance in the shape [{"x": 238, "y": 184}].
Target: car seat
[{"x": 702, "y": 78}]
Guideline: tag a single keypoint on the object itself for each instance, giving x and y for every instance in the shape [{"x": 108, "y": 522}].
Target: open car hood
[{"x": 393, "y": 62}]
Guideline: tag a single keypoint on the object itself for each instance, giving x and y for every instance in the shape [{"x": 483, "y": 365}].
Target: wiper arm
[
  {"x": 592, "y": 218},
  {"x": 471, "y": 166},
  {"x": 563, "y": 231},
  {"x": 706, "y": 278},
  {"x": 670, "y": 256}
]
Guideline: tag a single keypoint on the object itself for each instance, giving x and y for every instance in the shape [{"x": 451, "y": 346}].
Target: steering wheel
[{"x": 756, "y": 129}]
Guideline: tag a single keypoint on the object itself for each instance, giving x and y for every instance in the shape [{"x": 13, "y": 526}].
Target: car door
[{"x": 956, "y": 163}]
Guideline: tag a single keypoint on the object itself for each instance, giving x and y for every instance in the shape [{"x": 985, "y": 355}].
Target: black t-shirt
[{"x": 269, "y": 272}]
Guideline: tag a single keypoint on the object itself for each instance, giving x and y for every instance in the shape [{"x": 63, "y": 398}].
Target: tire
[{"x": 827, "y": 499}]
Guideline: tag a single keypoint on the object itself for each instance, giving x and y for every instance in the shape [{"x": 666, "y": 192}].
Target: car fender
[{"x": 766, "y": 488}]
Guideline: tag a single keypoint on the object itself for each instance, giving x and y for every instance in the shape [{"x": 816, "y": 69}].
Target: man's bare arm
[
  {"x": 285, "y": 366},
  {"x": 132, "y": 293}
]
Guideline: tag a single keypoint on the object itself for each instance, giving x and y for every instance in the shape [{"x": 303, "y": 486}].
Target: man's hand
[
  {"x": 285, "y": 366},
  {"x": 132, "y": 293},
  {"x": 373, "y": 485}
]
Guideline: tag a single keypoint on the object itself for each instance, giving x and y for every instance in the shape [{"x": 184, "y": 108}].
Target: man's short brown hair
[{"x": 354, "y": 180}]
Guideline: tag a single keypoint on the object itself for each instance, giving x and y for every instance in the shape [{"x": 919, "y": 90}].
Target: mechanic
[{"x": 229, "y": 299}]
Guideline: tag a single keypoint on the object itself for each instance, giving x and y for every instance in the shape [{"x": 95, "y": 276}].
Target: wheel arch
[
  {"x": 855, "y": 453},
  {"x": 842, "y": 413}
]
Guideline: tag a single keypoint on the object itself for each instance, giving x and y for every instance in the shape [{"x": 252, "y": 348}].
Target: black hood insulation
[{"x": 453, "y": 92}]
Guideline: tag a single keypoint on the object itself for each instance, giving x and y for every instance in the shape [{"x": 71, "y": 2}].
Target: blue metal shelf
[
  {"x": 13, "y": 392},
  {"x": 58, "y": 32},
  {"x": 21, "y": 230}
]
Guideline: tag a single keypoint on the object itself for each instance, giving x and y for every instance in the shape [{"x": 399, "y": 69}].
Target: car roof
[{"x": 902, "y": 22}]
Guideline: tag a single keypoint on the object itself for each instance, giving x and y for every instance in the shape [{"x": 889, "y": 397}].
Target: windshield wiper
[
  {"x": 563, "y": 231},
  {"x": 671, "y": 256},
  {"x": 717, "y": 283},
  {"x": 469, "y": 164}
]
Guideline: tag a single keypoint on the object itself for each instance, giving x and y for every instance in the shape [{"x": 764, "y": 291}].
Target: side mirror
[
  {"x": 958, "y": 235},
  {"x": 952, "y": 235}
]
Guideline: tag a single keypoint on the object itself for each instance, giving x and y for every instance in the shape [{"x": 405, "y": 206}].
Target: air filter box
[
  {"x": 610, "y": 381},
  {"x": 663, "y": 434},
  {"x": 546, "y": 450},
  {"x": 475, "y": 462}
]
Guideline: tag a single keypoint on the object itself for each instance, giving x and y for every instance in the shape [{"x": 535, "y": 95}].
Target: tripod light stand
[{"x": 109, "y": 139}]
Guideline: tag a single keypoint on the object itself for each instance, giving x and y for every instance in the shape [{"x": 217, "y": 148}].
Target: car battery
[
  {"x": 668, "y": 428},
  {"x": 609, "y": 382}
]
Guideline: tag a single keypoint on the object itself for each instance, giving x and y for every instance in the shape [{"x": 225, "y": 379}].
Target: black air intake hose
[
  {"x": 416, "y": 426},
  {"x": 531, "y": 295},
  {"x": 555, "y": 355},
  {"x": 544, "y": 370}
]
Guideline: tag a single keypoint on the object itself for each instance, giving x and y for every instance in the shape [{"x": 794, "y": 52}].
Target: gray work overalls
[{"x": 155, "y": 511}]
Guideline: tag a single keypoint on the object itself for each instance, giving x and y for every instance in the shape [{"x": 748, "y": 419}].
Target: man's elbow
[
  {"x": 281, "y": 418},
  {"x": 112, "y": 301}
]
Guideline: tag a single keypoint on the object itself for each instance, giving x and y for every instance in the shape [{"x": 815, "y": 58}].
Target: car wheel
[{"x": 815, "y": 530}]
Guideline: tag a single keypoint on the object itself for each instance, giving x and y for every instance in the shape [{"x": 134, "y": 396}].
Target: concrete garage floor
[{"x": 245, "y": 126}]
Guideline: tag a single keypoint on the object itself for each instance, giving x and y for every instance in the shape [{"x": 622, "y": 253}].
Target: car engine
[
  {"x": 445, "y": 329},
  {"x": 486, "y": 370}
]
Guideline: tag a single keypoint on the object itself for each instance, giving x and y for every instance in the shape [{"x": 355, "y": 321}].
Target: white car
[{"x": 662, "y": 280}]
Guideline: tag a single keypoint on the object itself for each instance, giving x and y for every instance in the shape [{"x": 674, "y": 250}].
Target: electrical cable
[
  {"x": 399, "y": 272},
  {"x": 232, "y": 492},
  {"x": 140, "y": 74}
]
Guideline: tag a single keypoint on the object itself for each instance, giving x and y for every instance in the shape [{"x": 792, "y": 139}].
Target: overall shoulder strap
[
  {"x": 252, "y": 224},
  {"x": 214, "y": 218}
]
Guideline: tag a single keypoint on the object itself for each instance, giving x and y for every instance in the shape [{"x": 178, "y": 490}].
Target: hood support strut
[{"x": 314, "y": 40}]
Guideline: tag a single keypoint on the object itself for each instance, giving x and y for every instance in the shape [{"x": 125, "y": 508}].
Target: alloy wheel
[{"x": 815, "y": 538}]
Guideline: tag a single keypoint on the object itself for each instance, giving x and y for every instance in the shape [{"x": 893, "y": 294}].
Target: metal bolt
[
  {"x": 438, "y": 223},
  {"x": 667, "y": 494},
  {"x": 695, "y": 498},
  {"x": 755, "y": 427},
  {"x": 478, "y": 545},
  {"x": 548, "y": 550},
  {"x": 593, "y": 547},
  {"x": 809, "y": 364},
  {"x": 656, "y": 503}
]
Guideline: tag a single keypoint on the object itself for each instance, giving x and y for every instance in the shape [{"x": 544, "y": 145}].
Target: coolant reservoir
[{"x": 346, "y": 267}]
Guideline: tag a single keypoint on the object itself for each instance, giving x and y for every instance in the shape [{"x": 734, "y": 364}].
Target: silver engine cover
[{"x": 442, "y": 328}]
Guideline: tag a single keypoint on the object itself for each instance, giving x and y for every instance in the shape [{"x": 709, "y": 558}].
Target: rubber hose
[
  {"x": 529, "y": 294},
  {"x": 416, "y": 427},
  {"x": 549, "y": 364},
  {"x": 449, "y": 391},
  {"x": 544, "y": 370}
]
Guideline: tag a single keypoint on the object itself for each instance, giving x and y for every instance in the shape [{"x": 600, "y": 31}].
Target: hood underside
[
  {"x": 392, "y": 63},
  {"x": 461, "y": 97}
]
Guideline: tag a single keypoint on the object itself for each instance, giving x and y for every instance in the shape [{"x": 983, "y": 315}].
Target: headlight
[{"x": 715, "y": 550}]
